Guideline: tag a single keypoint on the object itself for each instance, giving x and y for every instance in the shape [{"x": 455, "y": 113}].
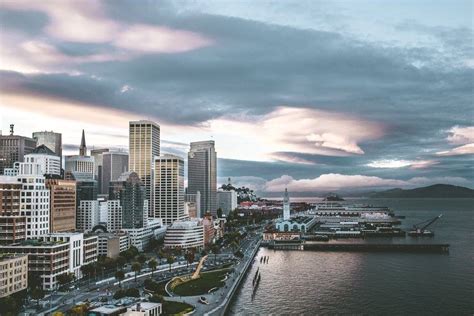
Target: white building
[
  {"x": 54, "y": 254},
  {"x": 169, "y": 188},
  {"x": 144, "y": 309},
  {"x": 50, "y": 163},
  {"x": 140, "y": 237},
  {"x": 112, "y": 244},
  {"x": 82, "y": 165},
  {"x": 87, "y": 215},
  {"x": 185, "y": 234},
  {"x": 114, "y": 215},
  {"x": 227, "y": 201},
  {"x": 34, "y": 201}
]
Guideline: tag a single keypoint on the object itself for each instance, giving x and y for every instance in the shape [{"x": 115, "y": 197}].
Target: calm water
[{"x": 310, "y": 283}]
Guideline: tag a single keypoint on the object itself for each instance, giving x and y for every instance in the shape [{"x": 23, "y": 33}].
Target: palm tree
[
  {"x": 152, "y": 264},
  {"x": 170, "y": 261},
  {"x": 120, "y": 275},
  {"x": 215, "y": 250},
  {"x": 189, "y": 258},
  {"x": 136, "y": 267}
]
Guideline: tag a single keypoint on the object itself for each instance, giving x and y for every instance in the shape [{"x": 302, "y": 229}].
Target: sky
[{"x": 315, "y": 96}]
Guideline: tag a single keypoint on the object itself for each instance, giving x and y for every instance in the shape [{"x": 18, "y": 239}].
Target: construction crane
[{"x": 420, "y": 229}]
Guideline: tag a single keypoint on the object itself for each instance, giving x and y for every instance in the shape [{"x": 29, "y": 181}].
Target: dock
[{"x": 376, "y": 247}]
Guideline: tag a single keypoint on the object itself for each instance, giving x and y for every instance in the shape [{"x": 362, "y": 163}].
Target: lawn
[
  {"x": 207, "y": 281},
  {"x": 176, "y": 308}
]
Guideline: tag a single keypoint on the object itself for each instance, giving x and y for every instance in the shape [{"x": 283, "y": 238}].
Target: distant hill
[{"x": 432, "y": 191}]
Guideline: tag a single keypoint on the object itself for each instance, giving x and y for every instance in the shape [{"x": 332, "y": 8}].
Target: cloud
[
  {"x": 467, "y": 149},
  {"x": 394, "y": 163},
  {"x": 460, "y": 136},
  {"x": 335, "y": 182}
]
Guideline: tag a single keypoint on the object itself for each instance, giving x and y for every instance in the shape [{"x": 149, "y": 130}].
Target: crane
[{"x": 420, "y": 229}]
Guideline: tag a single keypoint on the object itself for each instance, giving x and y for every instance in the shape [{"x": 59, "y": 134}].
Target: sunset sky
[{"x": 309, "y": 95}]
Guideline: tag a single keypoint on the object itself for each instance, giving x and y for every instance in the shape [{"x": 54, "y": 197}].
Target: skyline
[{"x": 318, "y": 103}]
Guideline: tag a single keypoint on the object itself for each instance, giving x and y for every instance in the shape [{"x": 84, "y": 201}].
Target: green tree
[
  {"x": 120, "y": 275},
  {"x": 37, "y": 294},
  {"x": 142, "y": 259},
  {"x": 65, "y": 278},
  {"x": 170, "y": 260},
  {"x": 132, "y": 292},
  {"x": 190, "y": 256},
  {"x": 120, "y": 261},
  {"x": 136, "y": 267},
  {"x": 9, "y": 306},
  {"x": 219, "y": 213},
  {"x": 152, "y": 264},
  {"x": 215, "y": 250}
]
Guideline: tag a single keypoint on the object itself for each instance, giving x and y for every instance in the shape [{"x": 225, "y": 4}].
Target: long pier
[{"x": 374, "y": 247}]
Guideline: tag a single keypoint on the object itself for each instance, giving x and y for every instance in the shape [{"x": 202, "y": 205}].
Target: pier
[{"x": 362, "y": 247}]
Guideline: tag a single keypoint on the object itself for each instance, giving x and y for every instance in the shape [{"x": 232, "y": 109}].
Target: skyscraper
[
  {"x": 98, "y": 155},
  {"x": 144, "y": 145},
  {"x": 128, "y": 189},
  {"x": 113, "y": 165},
  {"x": 13, "y": 148},
  {"x": 51, "y": 140},
  {"x": 62, "y": 215},
  {"x": 169, "y": 188},
  {"x": 202, "y": 174}
]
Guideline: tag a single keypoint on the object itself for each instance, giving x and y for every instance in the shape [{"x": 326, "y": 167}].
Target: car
[{"x": 203, "y": 300}]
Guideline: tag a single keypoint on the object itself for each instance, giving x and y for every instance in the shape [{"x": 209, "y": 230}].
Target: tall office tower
[
  {"x": 12, "y": 223},
  {"x": 35, "y": 198},
  {"x": 83, "y": 147},
  {"x": 192, "y": 204},
  {"x": 49, "y": 161},
  {"x": 129, "y": 190},
  {"x": 169, "y": 189},
  {"x": 286, "y": 206},
  {"x": 98, "y": 155},
  {"x": 13, "y": 148},
  {"x": 144, "y": 145},
  {"x": 114, "y": 164},
  {"x": 51, "y": 140},
  {"x": 202, "y": 174},
  {"x": 62, "y": 208}
]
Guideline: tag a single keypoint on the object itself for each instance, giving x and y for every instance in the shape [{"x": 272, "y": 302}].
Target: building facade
[
  {"x": 192, "y": 204},
  {"x": 87, "y": 215},
  {"x": 62, "y": 205},
  {"x": 185, "y": 234},
  {"x": 114, "y": 164},
  {"x": 129, "y": 190},
  {"x": 227, "y": 201},
  {"x": 202, "y": 174},
  {"x": 13, "y": 148},
  {"x": 12, "y": 222},
  {"x": 98, "y": 155},
  {"x": 169, "y": 189},
  {"x": 112, "y": 244},
  {"x": 13, "y": 274},
  {"x": 144, "y": 145},
  {"x": 81, "y": 167},
  {"x": 51, "y": 140},
  {"x": 50, "y": 163}
]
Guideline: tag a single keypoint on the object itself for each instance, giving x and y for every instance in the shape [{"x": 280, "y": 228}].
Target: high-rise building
[
  {"x": 35, "y": 198},
  {"x": 82, "y": 166},
  {"x": 51, "y": 140},
  {"x": 114, "y": 164},
  {"x": 12, "y": 222},
  {"x": 202, "y": 174},
  {"x": 13, "y": 148},
  {"x": 286, "y": 206},
  {"x": 62, "y": 209},
  {"x": 169, "y": 188},
  {"x": 13, "y": 274},
  {"x": 98, "y": 155},
  {"x": 87, "y": 206},
  {"x": 144, "y": 145},
  {"x": 227, "y": 201},
  {"x": 49, "y": 161},
  {"x": 128, "y": 189}
]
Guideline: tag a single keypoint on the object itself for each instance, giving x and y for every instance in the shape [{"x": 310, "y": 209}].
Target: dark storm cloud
[{"x": 252, "y": 67}]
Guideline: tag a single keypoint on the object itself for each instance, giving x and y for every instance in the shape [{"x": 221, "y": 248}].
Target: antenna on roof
[{"x": 12, "y": 126}]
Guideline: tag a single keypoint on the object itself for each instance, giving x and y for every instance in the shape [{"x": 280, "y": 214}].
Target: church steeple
[{"x": 83, "y": 147}]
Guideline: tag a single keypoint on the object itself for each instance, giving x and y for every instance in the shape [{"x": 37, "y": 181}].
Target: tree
[
  {"x": 142, "y": 259},
  {"x": 189, "y": 258},
  {"x": 120, "y": 275},
  {"x": 65, "y": 278},
  {"x": 9, "y": 306},
  {"x": 37, "y": 294},
  {"x": 170, "y": 261},
  {"x": 219, "y": 213},
  {"x": 215, "y": 250},
  {"x": 152, "y": 264},
  {"x": 132, "y": 292},
  {"x": 136, "y": 267},
  {"x": 120, "y": 261}
]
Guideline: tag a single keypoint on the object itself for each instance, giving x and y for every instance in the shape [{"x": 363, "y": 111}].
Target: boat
[{"x": 420, "y": 229}]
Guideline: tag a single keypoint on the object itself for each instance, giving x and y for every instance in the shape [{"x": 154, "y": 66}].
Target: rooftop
[{"x": 43, "y": 150}]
